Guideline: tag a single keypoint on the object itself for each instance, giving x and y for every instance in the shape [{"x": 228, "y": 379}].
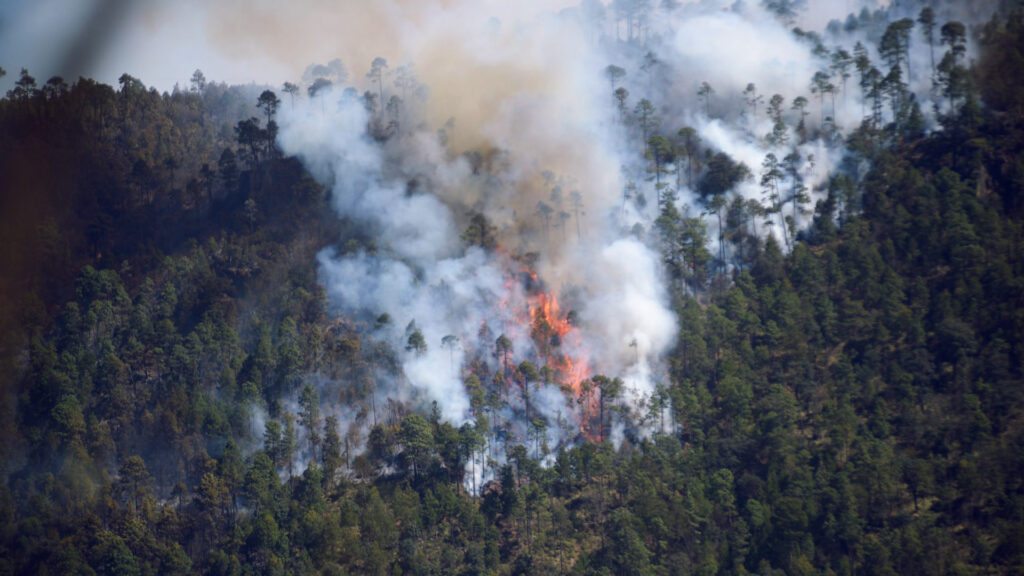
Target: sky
[
  {"x": 102, "y": 39},
  {"x": 235, "y": 41}
]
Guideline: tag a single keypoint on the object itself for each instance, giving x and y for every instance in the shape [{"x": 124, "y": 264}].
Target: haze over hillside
[{"x": 466, "y": 287}]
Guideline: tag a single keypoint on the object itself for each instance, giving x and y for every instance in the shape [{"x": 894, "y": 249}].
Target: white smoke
[
  {"x": 412, "y": 195},
  {"x": 532, "y": 106},
  {"x": 729, "y": 50}
]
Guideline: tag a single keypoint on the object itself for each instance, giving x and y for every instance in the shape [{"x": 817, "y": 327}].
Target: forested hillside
[{"x": 845, "y": 393}]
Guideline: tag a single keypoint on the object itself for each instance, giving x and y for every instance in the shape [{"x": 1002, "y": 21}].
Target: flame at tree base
[
  {"x": 534, "y": 328},
  {"x": 566, "y": 357}
]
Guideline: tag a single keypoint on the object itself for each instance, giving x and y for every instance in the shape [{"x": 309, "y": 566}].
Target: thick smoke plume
[
  {"x": 495, "y": 163},
  {"x": 529, "y": 101},
  {"x": 498, "y": 181}
]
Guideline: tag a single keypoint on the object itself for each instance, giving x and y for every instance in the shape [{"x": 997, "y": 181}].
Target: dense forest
[{"x": 845, "y": 394}]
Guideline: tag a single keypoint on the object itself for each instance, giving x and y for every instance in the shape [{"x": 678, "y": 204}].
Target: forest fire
[
  {"x": 559, "y": 352},
  {"x": 560, "y": 345},
  {"x": 558, "y": 340},
  {"x": 536, "y": 328}
]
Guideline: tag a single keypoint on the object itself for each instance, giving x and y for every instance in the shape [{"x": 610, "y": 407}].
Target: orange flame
[{"x": 558, "y": 342}]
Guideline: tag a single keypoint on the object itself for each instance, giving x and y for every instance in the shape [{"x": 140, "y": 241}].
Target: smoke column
[
  {"x": 512, "y": 118},
  {"x": 528, "y": 98}
]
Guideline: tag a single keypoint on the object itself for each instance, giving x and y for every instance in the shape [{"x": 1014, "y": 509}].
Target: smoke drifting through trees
[
  {"x": 491, "y": 132},
  {"x": 166, "y": 404}
]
